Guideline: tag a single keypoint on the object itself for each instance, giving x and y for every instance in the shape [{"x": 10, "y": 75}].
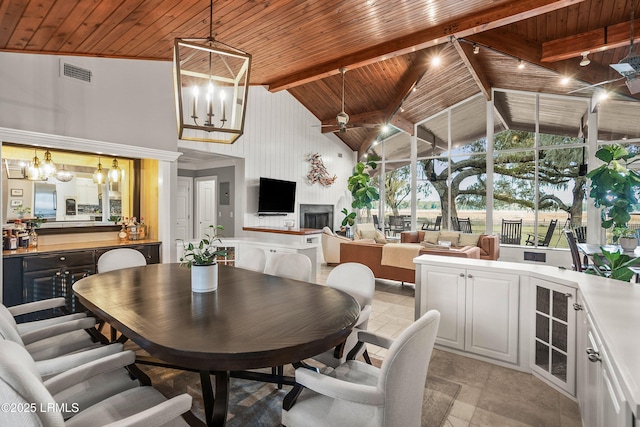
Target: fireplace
[{"x": 316, "y": 216}]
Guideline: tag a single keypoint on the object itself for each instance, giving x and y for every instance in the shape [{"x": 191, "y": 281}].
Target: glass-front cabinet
[{"x": 553, "y": 333}]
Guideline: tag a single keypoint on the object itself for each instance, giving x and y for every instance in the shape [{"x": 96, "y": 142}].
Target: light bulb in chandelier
[
  {"x": 115, "y": 173},
  {"x": 34, "y": 171},
  {"x": 99, "y": 175},
  {"x": 48, "y": 168}
]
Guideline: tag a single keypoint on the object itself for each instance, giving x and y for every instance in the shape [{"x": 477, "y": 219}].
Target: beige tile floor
[{"x": 490, "y": 395}]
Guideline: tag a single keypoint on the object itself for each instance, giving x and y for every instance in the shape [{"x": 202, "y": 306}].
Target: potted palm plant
[{"x": 202, "y": 259}]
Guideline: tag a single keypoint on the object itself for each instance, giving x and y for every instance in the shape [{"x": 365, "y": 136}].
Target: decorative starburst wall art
[{"x": 318, "y": 172}]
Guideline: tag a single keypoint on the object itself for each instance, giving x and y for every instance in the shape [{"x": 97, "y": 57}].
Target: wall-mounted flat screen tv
[{"x": 276, "y": 196}]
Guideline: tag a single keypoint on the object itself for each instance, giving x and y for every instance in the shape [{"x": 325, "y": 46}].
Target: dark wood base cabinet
[{"x": 34, "y": 277}]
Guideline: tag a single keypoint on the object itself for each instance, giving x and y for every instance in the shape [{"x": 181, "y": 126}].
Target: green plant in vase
[{"x": 206, "y": 251}]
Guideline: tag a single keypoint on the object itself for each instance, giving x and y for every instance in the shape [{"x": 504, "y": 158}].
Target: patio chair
[
  {"x": 455, "y": 226},
  {"x": 581, "y": 234},
  {"x": 532, "y": 238},
  {"x": 578, "y": 264},
  {"x": 435, "y": 226},
  {"x": 396, "y": 224},
  {"x": 464, "y": 225},
  {"x": 511, "y": 231}
]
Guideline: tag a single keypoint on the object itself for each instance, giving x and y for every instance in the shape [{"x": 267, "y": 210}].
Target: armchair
[
  {"x": 135, "y": 406},
  {"x": 331, "y": 246},
  {"x": 357, "y": 394}
]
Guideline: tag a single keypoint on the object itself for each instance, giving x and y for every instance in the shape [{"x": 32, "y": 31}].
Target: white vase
[
  {"x": 204, "y": 278},
  {"x": 629, "y": 244}
]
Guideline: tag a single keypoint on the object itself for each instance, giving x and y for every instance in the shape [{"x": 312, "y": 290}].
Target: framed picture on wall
[
  {"x": 16, "y": 202},
  {"x": 16, "y": 192}
]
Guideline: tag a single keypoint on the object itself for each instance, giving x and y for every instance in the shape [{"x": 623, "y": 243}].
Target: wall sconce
[{"x": 221, "y": 73}]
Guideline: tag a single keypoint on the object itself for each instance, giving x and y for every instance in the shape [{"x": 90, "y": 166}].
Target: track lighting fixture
[
  {"x": 521, "y": 64},
  {"x": 585, "y": 59},
  {"x": 476, "y": 49}
]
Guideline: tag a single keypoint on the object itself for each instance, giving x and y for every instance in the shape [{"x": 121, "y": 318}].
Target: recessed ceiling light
[
  {"x": 565, "y": 81},
  {"x": 521, "y": 64},
  {"x": 436, "y": 60},
  {"x": 476, "y": 49}
]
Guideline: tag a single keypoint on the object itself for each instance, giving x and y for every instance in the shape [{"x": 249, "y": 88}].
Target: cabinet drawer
[{"x": 63, "y": 259}]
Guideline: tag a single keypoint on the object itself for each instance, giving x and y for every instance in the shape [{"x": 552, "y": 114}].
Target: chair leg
[{"x": 366, "y": 357}]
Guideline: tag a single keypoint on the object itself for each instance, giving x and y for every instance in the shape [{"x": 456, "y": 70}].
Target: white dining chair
[
  {"x": 294, "y": 266},
  {"x": 357, "y": 394},
  {"x": 116, "y": 259},
  {"x": 20, "y": 383},
  {"x": 358, "y": 281},
  {"x": 52, "y": 304},
  {"x": 252, "y": 259}
]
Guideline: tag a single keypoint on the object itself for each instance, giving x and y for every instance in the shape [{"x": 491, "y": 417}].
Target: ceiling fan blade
[{"x": 596, "y": 84}]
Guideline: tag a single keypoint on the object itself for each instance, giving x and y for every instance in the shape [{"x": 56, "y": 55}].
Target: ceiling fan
[
  {"x": 628, "y": 67},
  {"x": 342, "y": 119}
]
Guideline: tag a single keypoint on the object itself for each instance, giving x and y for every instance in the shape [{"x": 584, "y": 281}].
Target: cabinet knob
[
  {"x": 461, "y": 274},
  {"x": 568, "y": 295},
  {"x": 62, "y": 258},
  {"x": 470, "y": 276},
  {"x": 577, "y": 307}
]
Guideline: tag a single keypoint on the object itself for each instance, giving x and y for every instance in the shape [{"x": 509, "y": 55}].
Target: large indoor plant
[
  {"x": 202, "y": 259},
  {"x": 359, "y": 184},
  {"x": 613, "y": 187}
]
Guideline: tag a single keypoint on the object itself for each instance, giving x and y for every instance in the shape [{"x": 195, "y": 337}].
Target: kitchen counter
[{"x": 43, "y": 249}]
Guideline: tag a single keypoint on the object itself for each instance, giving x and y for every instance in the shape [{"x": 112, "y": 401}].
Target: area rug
[{"x": 258, "y": 404}]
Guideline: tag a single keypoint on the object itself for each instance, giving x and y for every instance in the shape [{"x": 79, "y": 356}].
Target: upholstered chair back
[{"x": 116, "y": 259}]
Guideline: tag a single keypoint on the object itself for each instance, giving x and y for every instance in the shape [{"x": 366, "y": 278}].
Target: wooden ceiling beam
[
  {"x": 469, "y": 58},
  {"x": 601, "y": 39},
  {"x": 488, "y": 19},
  {"x": 519, "y": 47}
]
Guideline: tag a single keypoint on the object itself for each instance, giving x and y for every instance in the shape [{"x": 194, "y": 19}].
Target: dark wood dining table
[{"x": 253, "y": 320}]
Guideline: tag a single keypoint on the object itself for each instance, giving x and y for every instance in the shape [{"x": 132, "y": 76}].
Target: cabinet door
[
  {"x": 492, "y": 305},
  {"x": 553, "y": 332},
  {"x": 53, "y": 283},
  {"x": 445, "y": 292}
]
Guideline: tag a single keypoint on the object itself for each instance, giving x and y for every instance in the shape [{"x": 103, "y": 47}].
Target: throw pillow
[
  {"x": 381, "y": 240},
  {"x": 360, "y": 228},
  {"x": 433, "y": 246},
  {"x": 468, "y": 239},
  {"x": 431, "y": 237},
  {"x": 449, "y": 236},
  {"x": 368, "y": 234},
  {"x": 327, "y": 230}
]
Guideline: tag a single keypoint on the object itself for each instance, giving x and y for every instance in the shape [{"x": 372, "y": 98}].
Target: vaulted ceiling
[{"x": 386, "y": 46}]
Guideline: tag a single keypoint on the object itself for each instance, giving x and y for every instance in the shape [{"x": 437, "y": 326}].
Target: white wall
[
  {"x": 279, "y": 133},
  {"x": 128, "y": 102}
]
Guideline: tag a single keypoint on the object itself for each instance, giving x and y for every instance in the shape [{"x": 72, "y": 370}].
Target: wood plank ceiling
[{"x": 386, "y": 46}]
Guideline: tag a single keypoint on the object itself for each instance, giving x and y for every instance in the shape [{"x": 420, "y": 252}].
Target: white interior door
[
  {"x": 184, "y": 208},
  {"x": 206, "y": 205}
]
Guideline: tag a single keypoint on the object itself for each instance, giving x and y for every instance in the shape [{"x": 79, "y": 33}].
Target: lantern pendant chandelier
[{"x": 211, "y": 82}]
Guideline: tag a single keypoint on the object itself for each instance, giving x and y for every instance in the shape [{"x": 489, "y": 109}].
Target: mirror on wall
[{"x": 65, "y": 187}]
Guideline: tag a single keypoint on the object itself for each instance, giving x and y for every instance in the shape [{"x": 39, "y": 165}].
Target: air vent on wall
[{"x": 75, "y": 72}]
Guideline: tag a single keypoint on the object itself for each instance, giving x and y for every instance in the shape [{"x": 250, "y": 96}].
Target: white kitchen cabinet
[
  {"x": 553, "y": 333},
  {"x": 478, "y": 309},
  {"x": 600, "y": 397}
]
